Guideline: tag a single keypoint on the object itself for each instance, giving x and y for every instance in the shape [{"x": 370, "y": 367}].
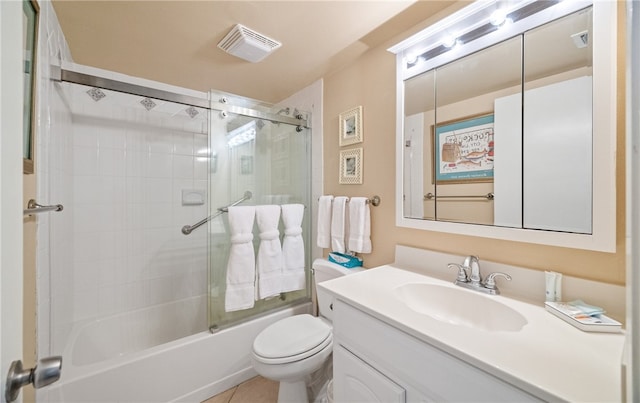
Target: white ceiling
[{"x": 175, "y": 42}]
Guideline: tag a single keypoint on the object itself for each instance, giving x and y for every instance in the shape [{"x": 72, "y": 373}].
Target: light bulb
[{"x": 498, "y": 17}]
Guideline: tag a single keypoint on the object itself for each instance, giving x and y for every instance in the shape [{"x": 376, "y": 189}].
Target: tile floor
[{"x": 255, "y": 390}]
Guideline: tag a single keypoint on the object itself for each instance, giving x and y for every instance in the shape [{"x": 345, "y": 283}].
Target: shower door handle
[{"x": 46, "y": 372}]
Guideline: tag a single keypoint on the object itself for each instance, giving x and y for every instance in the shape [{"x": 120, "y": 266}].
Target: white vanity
[{"x": 405, "y": 336}]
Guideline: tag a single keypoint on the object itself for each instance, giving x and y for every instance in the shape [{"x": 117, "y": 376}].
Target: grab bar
[
  {"x": 35, "y": 208},
  {"x": 188, "y": 228},
  {"x": 488, "y": 196}
]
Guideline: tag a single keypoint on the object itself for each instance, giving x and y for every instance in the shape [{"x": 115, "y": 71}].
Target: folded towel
[
  {"x": 293, "y": 274},
  {"x": 324, "y": 221},
  {"x": 339, "y": 224},
  {"x": 359, "y": 225},
  {"x": 269, "y": 259},
  {"x": 241, "y": 267}
]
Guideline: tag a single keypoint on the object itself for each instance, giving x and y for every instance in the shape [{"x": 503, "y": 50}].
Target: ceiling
[{"x": 175, "y": 42}]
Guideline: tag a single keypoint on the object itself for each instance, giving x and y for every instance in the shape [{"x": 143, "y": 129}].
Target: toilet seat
[{"x": 292, "y": 339}]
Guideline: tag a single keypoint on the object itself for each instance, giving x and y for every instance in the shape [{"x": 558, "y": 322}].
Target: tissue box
[{"x": 347, "y": 261}]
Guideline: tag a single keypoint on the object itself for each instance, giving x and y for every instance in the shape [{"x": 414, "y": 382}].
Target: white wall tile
[
  {"x": 183, "y": 143},
  {"x": 183, "y": 166},
  {"x": 157, "y": 215},
  {"x": 159, "y": 142},
  {"x": 157, "y": 189},
  {"x": 85, "y": 161},
  {"x": 85, "y": 304},
  {"x": 158, "y": 165}
]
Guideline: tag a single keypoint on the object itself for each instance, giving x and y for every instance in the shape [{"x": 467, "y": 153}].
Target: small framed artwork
[
  {"x": 351, "y": 126},
  {"x": 351, "y": 167}
]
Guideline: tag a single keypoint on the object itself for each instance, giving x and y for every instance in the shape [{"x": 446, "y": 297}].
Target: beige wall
[
  {"x": 370, "y": 82},
  {"x": 29, "y": 285}
]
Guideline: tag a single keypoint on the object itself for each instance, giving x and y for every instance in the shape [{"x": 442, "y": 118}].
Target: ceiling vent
[{"x": 247, "y": 44}]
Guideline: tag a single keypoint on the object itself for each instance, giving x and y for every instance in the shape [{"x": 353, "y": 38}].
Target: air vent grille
[{"x": 247, "y": 44}]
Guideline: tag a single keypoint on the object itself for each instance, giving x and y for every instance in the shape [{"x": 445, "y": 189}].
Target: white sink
[{"x": 460, "y": 307}]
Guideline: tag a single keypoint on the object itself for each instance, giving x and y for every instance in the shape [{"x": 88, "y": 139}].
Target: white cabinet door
[{"x": 356, "y": 381}]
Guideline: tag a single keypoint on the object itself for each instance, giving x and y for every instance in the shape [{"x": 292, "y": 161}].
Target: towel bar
[
  {"x": 374, "y": 201},
  {"x": 431, "y": 196},
  {"x": 35, "y": 208},
  {"x": 188, "y": 228}
]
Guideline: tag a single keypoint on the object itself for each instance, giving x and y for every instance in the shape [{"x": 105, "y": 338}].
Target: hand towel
[
  {"x": 324, "y": 221},
  {"x": 359, "y": 225},
  {"x": 293, "y": 275},
  {"x": 241, "y": 267},
  {"x": 269, "y": 259},
  {"x": 339, "y": 224}
]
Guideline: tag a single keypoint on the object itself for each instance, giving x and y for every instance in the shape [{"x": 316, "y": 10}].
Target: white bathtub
[{"x": 190, "y": 369}]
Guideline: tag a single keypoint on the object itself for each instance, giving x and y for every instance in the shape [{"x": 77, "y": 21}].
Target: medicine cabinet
[{"x": 506, "y": 124}]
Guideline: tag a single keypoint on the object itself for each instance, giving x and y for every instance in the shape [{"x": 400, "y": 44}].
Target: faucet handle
[
  {"x": 462, "y": 273},
  {"x": 490, "y": 281}
]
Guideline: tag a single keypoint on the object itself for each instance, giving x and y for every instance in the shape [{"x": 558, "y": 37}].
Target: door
[{"x": 10, "y": 186}]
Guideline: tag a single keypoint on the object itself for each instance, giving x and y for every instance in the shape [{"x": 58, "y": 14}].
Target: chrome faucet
[
  {"x": 469, "y": 276},
  {"x": 472, "y": 263}
]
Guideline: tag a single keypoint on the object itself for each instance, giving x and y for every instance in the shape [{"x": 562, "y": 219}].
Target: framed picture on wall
[
  {"x": 351, "y": 126},
  {"x": 464, "y": 150},
  {"x": 351, "y": 167}
]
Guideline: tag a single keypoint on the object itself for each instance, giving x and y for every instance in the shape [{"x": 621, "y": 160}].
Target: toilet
[{"x": 291, "y": 349}]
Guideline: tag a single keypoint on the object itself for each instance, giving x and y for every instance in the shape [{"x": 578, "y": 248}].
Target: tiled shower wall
[
  {"x": 130, "y": 167},
  {"x": 119, "y": 170}
]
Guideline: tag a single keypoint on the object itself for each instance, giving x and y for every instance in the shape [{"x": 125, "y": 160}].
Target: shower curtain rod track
[{"x": 139, "y": 90}]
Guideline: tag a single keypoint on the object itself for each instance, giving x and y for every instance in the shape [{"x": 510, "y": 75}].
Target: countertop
[{"x": 548, "y": 357}]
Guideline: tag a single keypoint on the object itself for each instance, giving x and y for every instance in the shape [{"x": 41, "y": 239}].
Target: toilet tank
[{"x": 324, "y": 270}]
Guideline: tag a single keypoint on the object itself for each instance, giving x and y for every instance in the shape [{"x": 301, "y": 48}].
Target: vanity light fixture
[
  {"x": 450, "y": 42},
  {"x": 412, "y": 58},
  {"x": 471, "y": 23},
  {"x": 499, "y": 17}
]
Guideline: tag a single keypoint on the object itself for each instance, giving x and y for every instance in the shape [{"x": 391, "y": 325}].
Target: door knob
[{"x": 44, "y": 373}]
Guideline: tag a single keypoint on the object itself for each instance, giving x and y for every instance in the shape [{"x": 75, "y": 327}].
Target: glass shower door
[{"x": 271, "y": 160}]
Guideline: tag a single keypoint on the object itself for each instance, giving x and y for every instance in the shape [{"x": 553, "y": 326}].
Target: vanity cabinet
[
  {"x": 360, "y": 382},
  {"x": 374, "y": 361}
]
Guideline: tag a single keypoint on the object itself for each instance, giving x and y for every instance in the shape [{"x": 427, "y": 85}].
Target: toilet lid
[{"x": 291, "y": 337}]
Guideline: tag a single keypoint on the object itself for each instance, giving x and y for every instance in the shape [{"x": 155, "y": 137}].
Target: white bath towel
[
  {"x": 359, "y": 225},
  {"x": 241, "y": 267},
  {"x": 339, "y": 224},
  {"x": 324, "y": 221},
  {"x": 293, "y": 275},
  {"x": 269, "y": 259}
]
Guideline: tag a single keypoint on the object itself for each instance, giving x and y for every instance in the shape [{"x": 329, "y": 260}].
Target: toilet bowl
[{"x": 289, "y": 350}]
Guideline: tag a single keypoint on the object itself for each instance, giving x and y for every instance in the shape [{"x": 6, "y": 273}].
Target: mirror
[
  {"x": 29, "y": 42},
  {"x": 500, "y": 131},
  {"x": 449, "y": 125}
]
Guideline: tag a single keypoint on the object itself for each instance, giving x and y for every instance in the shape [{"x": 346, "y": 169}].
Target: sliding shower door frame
[{"x": 70, "y": 76}]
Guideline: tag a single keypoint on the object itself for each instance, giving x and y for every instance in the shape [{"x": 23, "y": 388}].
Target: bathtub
[{"x": 190, "y": 369}]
